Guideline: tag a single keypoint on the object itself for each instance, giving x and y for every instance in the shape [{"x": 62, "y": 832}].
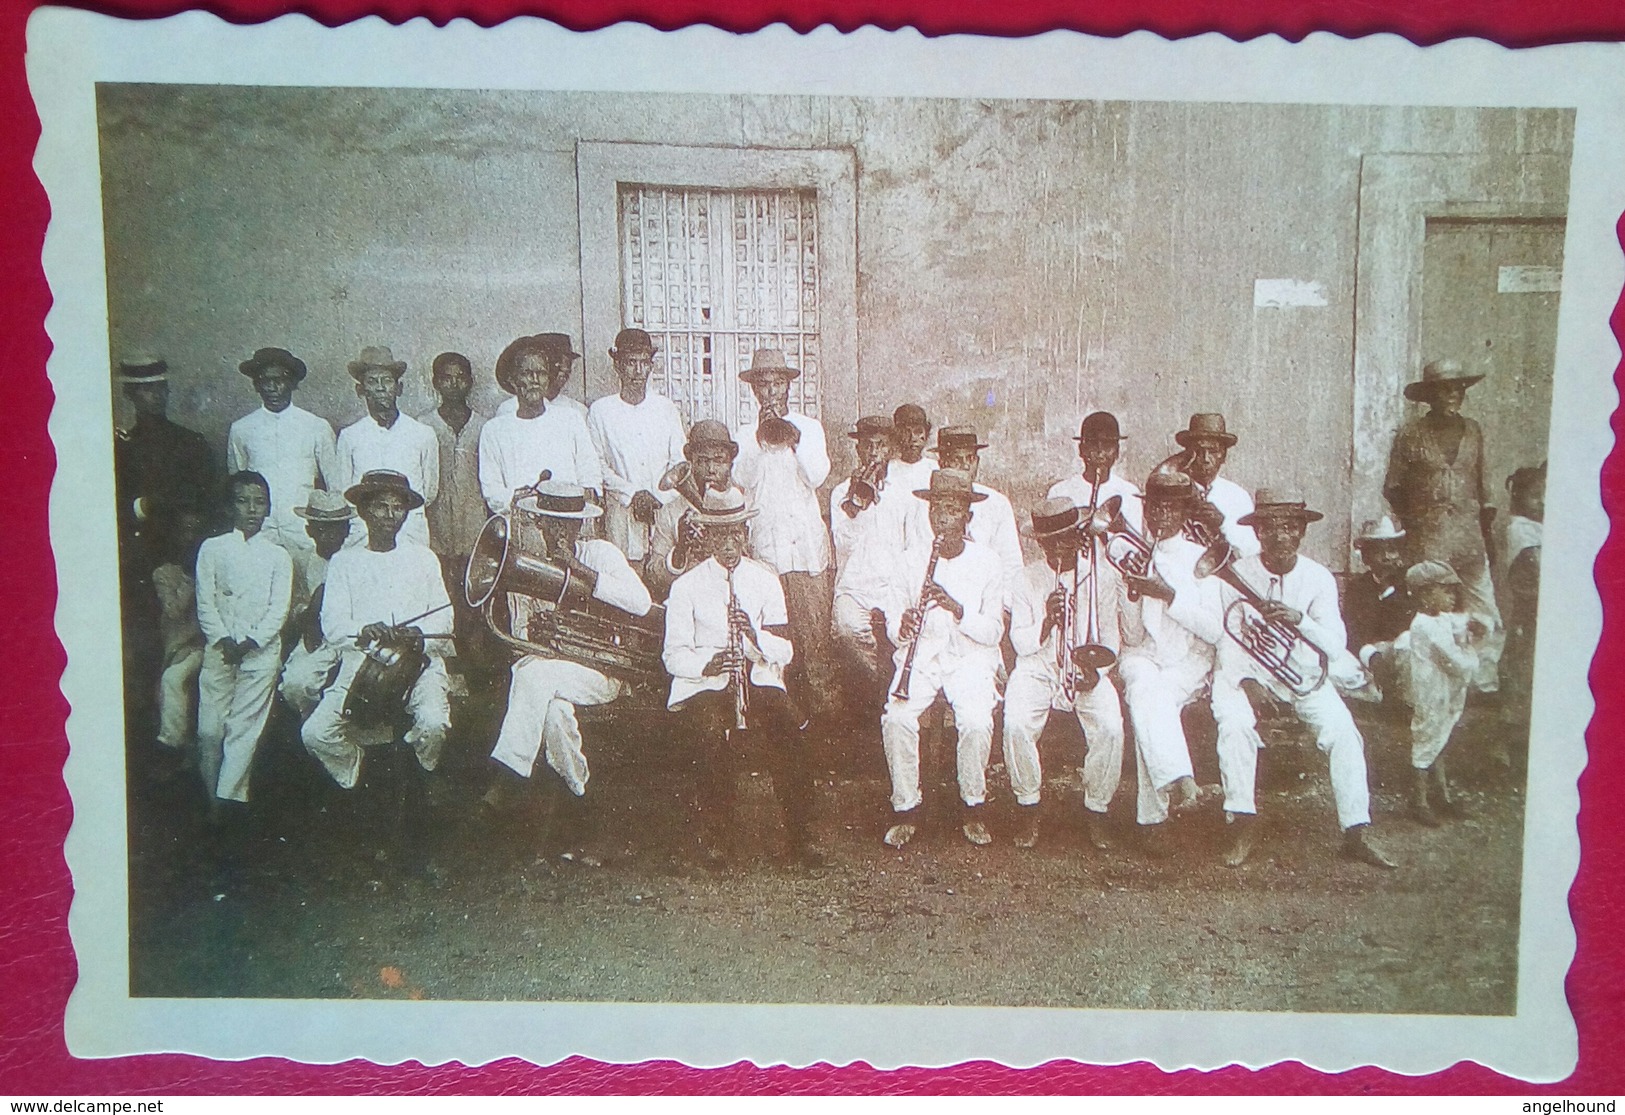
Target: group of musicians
[{"x": 578, "y": 532}]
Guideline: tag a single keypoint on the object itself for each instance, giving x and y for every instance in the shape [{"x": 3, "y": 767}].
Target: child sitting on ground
[{"x": 1437, "y": 657}]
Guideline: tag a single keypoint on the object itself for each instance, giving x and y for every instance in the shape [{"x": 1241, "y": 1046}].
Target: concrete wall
[{"x": 1019, "y": 263}]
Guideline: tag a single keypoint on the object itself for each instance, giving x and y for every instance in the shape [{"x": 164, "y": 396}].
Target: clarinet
[
  {"x": 737, "y": 665},
  {"x": 901, "y": 692}
]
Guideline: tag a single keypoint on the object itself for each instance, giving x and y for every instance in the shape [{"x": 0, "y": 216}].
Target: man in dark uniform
[{"x": 160, "y": 471}]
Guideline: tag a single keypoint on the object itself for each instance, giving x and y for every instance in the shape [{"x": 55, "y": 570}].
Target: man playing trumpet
[
  {"x": 945, "y": 612},
  {"x": 673, "y": 546},
  {"x": 1220, "y": 503},
  {"x": 1055, "y": 620},
  {"x": 868, "y": 521}
]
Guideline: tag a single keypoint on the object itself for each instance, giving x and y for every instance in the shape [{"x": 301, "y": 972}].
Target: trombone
[
  {"x": 1080, "y": 666},
  {"x": 1281, "y": 648}
]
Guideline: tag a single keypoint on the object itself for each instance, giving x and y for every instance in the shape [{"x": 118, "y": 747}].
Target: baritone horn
[
  {"x": 1281, "y": 648},
  {"x": 864, "y": 488}
]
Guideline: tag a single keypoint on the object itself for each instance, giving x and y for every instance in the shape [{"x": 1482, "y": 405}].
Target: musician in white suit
[
  {"x": 546, "y": 691},
  {"x": 945, "y": 613},
  {"x": 993, "y": 523},
  {"x": 1220, "y": 501},
  {"x": 638, "y": 435},
  {"x": 727, "y": 647}
]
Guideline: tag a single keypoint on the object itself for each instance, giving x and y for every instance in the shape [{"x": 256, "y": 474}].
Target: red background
[{"x": 37, "y": 967}]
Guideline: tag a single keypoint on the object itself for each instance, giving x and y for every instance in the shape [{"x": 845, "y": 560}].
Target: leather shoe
[{"x": 1357, "y": 846}]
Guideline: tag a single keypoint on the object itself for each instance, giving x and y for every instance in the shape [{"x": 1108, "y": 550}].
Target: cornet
[
  {"x": 864, "y": 488},
  {"x": 1127, "y": 550},
  {"x": 1283, "y": 650}
]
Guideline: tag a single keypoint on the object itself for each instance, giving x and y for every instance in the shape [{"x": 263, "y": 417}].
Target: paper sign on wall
[
  {"x": 1529, "y": 280},
  {"x": 1280, "y": 293}
]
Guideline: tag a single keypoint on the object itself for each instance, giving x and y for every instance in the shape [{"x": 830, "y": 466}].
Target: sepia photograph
[{"x": 605, "y": 546}]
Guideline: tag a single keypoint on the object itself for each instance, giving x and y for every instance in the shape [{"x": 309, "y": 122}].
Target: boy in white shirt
[{"x": 244, "y": 581}]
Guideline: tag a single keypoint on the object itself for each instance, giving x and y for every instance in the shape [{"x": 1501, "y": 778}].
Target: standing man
[
  {"x": 726, "y": 649},
  {"x": 545, "y": 692},
  {"x": 674, "y": 546},
  {"x": 1299, "y": 594},
  {"x": 458, "y": 510},
  {"x": 1100, "y": 441},
  {"x": 994, "y": 523},
  {"x": 783, "y": 459},
  {"x": 1050, "y": 606},
  {"x": 945, "y": 613},
  {"x": 558, "y": 358},
  {"x": 1220, "y": 501},
  {"x": 161, "y": 472},
  {"x": 384, "y": 439},
  {"x": 291, "y": 447},
  {"x": 515, "y": 449},
  {"x": 1436, "y": 486},
  {"x": 638, "y": 437},
  {"x": 869, "y": 528}
]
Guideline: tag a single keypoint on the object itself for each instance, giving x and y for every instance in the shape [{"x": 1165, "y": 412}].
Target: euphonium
[
  {"x": 685, "y": 552},
  {"x": 1195, "y": 529},
  {"x": 1284, "y": 651},
  {"x": 680, "y": 478}
]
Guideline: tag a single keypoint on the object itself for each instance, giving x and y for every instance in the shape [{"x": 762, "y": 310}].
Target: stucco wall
[{"x": 1019, "y": 263}]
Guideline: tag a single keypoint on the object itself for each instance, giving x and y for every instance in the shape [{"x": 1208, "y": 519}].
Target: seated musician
[
  {"x": 1297, "y": 593},
  {"x": 1220, "y": 501},
  {"x": 546, "y": 691},
  {"x": 1164, "y": 664},
  {"x": 1046, "y": 677},
  {"x": 945, "y": 612},
  {"x": 311, "y": 659},
  {"x": 994, "y": 523},
  {"x": 870, "y": 530},
  {"x": 710, "y": 453},
  {"x": 1376, "y": 604},
  {"x": 388, "y": 591},
  {"x": 727, "y": 647}
]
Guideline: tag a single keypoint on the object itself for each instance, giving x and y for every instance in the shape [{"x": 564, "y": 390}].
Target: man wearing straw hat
[
  {"x": 1220, "y": 501},
  {"x": 945, "y": 614},
  {"x": 545, "y": 692},
  {"x": 1376, "y": 605},
  {"x": 1437, "y": 488},
  {"x": 388, "y": 588},
  {"x": 312, "y": 660},
  {"x": 387, "y": 440},
  {"x": 540, "y": 435},
  {"x": 292, "y": 448},
  {"x": 727, "y": 649}
]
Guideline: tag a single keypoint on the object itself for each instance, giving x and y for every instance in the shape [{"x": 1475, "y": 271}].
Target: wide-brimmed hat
[
  {"x": 950, "y": 438},
  {"x": 871, "y": 424},
  {"x": 1269, "y": 503},
  {"x": 708, "y": 431},
  {"x": 142, "y": 368},
  {"x": 1205, "y": 427},
  {"x": 265, "y": 358},
  {"x": 1169, "y": 485},
  {"x": 766, "y": 361},
  {"x": 1379, "y": 530},
  {"x": 541, "y": 344},
  {"x": 951, "y": 484},
  {"x": 325, "y": 507},
  {"x": 381, "y": 481},
  {"x": 1425, "y": 573},
  {"x": 1100, "y": 426},
  {"x": 376, "y": 356},
  {"x": 1052, "y": 517},
  {"x": 1437, "y": 374},
  {"x": 633, "y": 340},
  {"x": 722, "y": 509},
  {"x": 561, "y": 501}
]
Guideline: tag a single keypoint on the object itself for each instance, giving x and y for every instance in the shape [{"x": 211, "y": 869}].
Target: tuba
[
  {"x": 1283, "y": 650},
  {"x": 509, "y": 557}
]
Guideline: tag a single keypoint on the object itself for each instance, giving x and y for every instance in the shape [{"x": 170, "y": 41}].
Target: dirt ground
[{"x": 307, "y": 897}]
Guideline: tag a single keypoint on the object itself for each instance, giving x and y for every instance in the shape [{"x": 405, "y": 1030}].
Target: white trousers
[
  {"x": 1325, "y": 714},
  {"x": 177, "y": 699},
  {"x": 1034, "y": 689},
  {"x": 233, "y": 704},
  {"x": 1155, "y": 695},
  {"x": 541, "y": 717},
  {"x": 968, "y": 685},
  {"x": 337, "y": 744},
  {"x": 854, "y": 632},
  {"x": 305, "y": 675}
]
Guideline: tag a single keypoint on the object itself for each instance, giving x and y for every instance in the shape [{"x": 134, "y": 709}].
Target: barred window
[{"x": 713, "y": 275}]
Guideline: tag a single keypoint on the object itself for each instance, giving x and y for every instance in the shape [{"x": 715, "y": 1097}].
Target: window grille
[{"x": 713, "y": 275}]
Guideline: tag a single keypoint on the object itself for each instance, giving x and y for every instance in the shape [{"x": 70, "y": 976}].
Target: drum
[{"x": 380, "y": 687}]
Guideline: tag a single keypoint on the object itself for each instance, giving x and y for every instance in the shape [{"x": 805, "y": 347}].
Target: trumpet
[
  {"x": 864, "y": 488},
  {"x": 1281, "y": 648},
  {"x": 775, "y": 430},
  {"x": 685, "y": 553},
  {"x": 900, "y": 692},
  {"x": 1080, "y": 666},
  {"x": 1127, "y": 550},
  {"x": 738, "y": 665}
]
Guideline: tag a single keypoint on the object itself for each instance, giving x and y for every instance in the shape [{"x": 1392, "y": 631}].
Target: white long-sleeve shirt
[
  {"x": 636, "y": 445},
  {"x": 1168, "y": 633},
  {"x": 1029, "y": 603},
  {"x": 367, "y": 586},
  {"x": 243, "y": 588},
  {"x": 993, "y": 524},
  {"x": 1232, "y": 499},
  {"x": 975, "y": 579},
  {"x": 781, "y": 484},
  {"x": 867, "y": 545},
  {"x": 697, "y": 627},
  {"x": 293, "y": 449},
  {"x": 515, "y": 450},
  {"x": 407, "y": 447},
  {"x": 1079, "y": 491},
  {"x": 510, "y": 405}
]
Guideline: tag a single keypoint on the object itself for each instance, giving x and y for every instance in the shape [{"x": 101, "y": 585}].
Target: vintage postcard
[{"x": 825, "y": 548}]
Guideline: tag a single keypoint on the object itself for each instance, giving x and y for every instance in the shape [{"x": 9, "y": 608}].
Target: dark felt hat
[
  {"x": 951, "y": 484},
  {"x": 1100, "y": 426},
  {"x": 632, "y": 340},
  {"x": 1269, "y": 503},
  {"x": 264, "y": 358},
  {"x": 1437, "y": 374},
  {"x": 381, "y": 481},
  {"x": 957, "y": 437},
  {"x": 708, "y": 431},
  {"x": 871, "y": 424},
  {"x": 1205, "y": 427},
  {"x": 768, "y": 361},
  {"x": 540, "y": 344},
  {"x": 910, "y": 415}
]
